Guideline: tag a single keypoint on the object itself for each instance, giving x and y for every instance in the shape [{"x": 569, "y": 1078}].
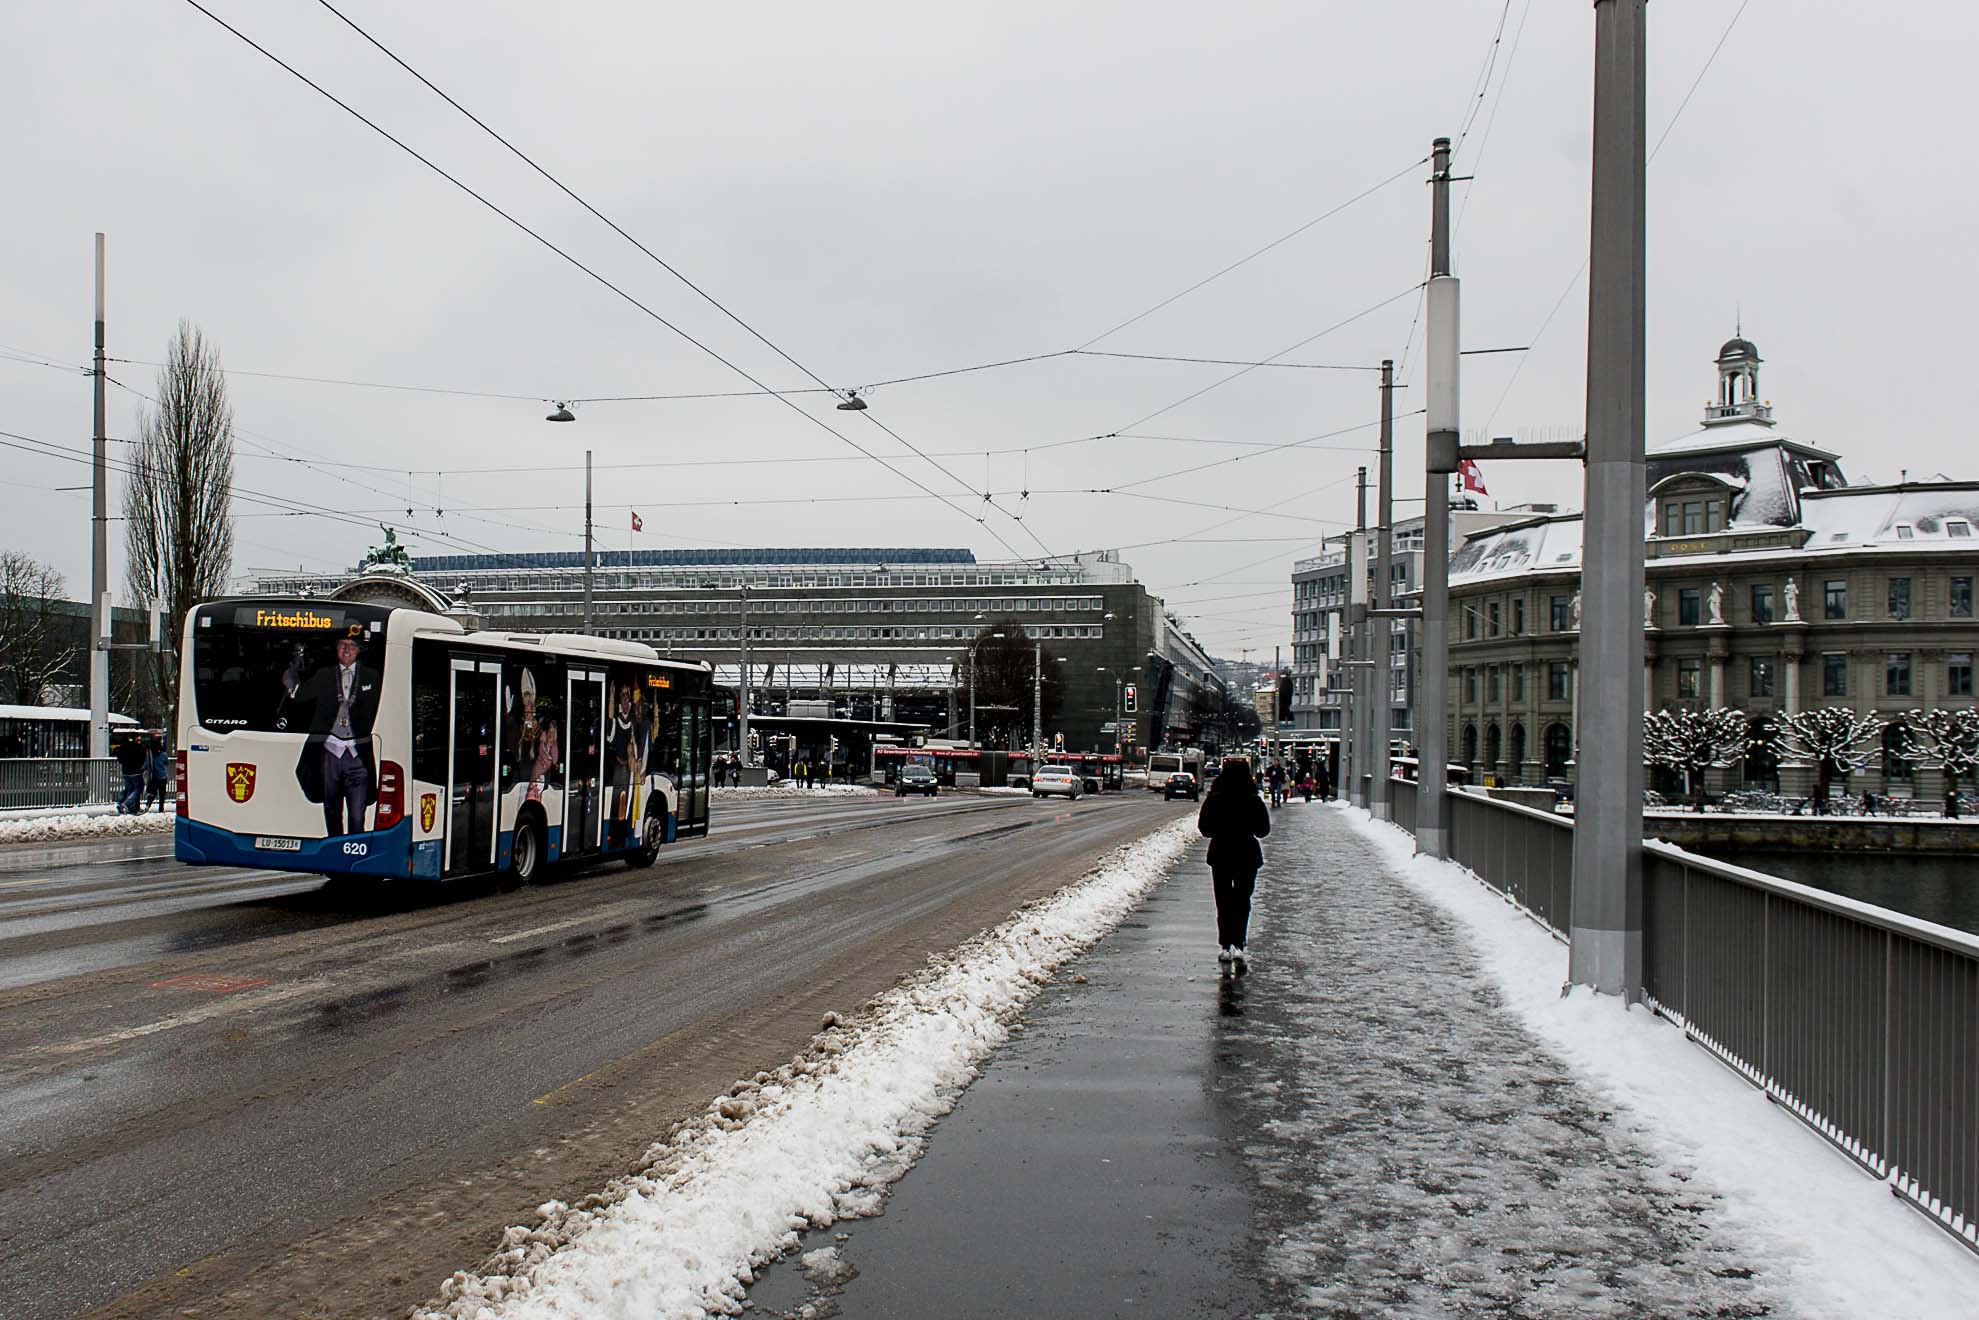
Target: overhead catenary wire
[
  {"x": 1573, "y": 283},
  {"x": 674, "y": 271},
  {"x": 350, "y": 110}
]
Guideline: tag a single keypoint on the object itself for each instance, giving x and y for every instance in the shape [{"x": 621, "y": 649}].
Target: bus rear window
[{"x": 256, "y": 667}]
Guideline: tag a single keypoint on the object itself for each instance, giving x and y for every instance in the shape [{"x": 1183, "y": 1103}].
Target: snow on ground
[
  {"x": 787, "y": 790},
  {"x": 1848, "y": 1247},
  {"x": 82, "y": 824},
  {"x": 817, "y": 1140}
]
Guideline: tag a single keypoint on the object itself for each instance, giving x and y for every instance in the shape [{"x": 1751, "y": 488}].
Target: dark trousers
[
  {"x": 132, "y": 799},
  {"x": 1233, "y": 886},
  {"x": 154, "y": 791},
  {"x": 346, "y": 785}
]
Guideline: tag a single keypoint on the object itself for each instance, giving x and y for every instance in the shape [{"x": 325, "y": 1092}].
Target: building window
[
  {"x": 1762, "y": 676},
  {"x": 1899, "y": 598},
  {"x": 1470, "y": 685},
  {"x": 1562, "y": 609},
  {"x": 1689, "y": 676},
  {"x": 1961, "y": 598},
  {"x": 1496, "y": 621},
  {"x": 1518, "y": 682},
  {"x": 1673, "y": 515},
  {"x": 1835, "y": 599},
  {"x": 1906, "y": 532},
  {"x": 1518, "y": 617},
  {"x": 1470, "y": 623},
  {"x": 1491, "y": 683},
  {"x": 1557, "y": 681},
  {"x": 1896, "y": 674},
  {"x": 1688, "y": 605},
  {"x": 1762, "y": 602},
  {"x": 1958, "y": 674},
  {"x": 1958, "y": 528},
  {"x": 1834, "y": 675}
]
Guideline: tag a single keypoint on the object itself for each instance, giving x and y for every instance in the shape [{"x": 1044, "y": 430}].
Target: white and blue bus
[{"x": 359, "y": 739}]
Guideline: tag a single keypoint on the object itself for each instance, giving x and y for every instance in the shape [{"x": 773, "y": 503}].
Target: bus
[
  {"x": 1163, "y": 764},
  {"x": 374, "y": 740}
]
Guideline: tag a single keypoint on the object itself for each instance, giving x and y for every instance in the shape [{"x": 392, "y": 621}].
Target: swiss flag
[
  {"x": 1473, "y": 479},
  {"x": 637, "y": 524}
]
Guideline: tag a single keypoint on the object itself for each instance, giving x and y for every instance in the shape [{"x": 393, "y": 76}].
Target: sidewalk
[{"x": 1356, "y": 1128}]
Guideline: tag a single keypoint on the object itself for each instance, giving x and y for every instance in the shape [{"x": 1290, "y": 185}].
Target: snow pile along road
[
  {"x": 818, "y": 1140},
  {"x": 1832, "y": 1233},
  {"x": 53, "y": 829},
  {"x": 786, "y": 789}
]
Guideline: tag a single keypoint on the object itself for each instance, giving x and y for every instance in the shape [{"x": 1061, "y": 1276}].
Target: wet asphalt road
[{"x": 218, "y": 1084}]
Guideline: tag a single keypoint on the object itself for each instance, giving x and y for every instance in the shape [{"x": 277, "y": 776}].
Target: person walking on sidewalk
[{"x": 1233, "y": 818}]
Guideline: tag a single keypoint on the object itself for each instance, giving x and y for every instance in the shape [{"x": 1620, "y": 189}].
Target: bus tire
[
  {"x": 526, "y": 852},
  {"x": 652, "y": 833}
]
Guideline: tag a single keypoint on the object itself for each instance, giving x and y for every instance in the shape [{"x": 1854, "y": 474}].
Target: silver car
[{"x": 1056, "y": 781}]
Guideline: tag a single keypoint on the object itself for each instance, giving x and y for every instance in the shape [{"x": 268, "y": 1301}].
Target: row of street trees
[{"x": 1836, "y": 741}]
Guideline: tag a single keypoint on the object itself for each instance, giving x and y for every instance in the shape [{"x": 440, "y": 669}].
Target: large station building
[{"x": 881, "y": 634}]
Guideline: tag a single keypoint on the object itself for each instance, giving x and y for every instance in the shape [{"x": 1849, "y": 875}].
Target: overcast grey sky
[{"x": 890, "y": 189}]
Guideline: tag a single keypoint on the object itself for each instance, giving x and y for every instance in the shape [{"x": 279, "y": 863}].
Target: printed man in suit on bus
[{"x": 338, "y": 703}]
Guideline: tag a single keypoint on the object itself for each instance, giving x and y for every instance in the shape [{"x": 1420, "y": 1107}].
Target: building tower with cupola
[{"x": 1738, "y": 385}]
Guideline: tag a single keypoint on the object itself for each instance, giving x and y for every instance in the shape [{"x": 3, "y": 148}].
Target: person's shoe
[
  {"x": 1225, "y": 955},
  {"x": 1239, "y": 963}
]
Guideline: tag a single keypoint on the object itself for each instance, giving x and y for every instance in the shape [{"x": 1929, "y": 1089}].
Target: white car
[{"x": 1056, "y": 781}]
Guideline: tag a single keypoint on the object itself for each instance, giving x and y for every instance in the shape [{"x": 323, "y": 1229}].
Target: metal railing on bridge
[
  {"x": 39, "y": 782},
  {"x": 1862, "y": 1021}
]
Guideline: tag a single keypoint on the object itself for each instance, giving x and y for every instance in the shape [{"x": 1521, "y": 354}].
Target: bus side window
[
  {"x": 429, "y": 712},
  {"x": 666, "y": 742}
]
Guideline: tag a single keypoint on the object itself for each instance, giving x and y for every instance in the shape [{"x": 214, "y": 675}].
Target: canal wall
[{"x": 1715, "y": 833}]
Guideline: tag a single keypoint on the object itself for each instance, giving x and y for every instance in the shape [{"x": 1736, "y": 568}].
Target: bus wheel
[
  {"x": 651, "y": 835},
  {"x": 526, "y": 854}
]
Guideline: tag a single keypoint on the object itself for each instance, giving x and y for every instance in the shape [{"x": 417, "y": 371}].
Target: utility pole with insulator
[
  {"x": 1606, "y": 926},
  {"x": 1358, "y": 686},
  {"x": 1440, "y": 370},
  {"x": 1382, "y": 627},
  {"x": 99, "y": 544},
  {"x": 589, "y": 607}
]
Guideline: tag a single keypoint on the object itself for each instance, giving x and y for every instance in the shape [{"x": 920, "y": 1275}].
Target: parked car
[
  {"x": 916, "y": 779},
  {"x": 1181, "y": 784},
  {"x": 1056, "y": 781}
]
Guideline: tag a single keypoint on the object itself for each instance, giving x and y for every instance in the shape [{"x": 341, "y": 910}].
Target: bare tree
[
  {"x": 34, "y": 652},
  {"x": 178, "y": 523},
  {"x": 1835, "y": 739},
  {"x": 1003, "y": 678},
  {"x": 1694, "y": 741},
  {"x": 1948, "y": 739}
]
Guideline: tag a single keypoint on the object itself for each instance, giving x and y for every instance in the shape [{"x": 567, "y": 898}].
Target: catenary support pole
[
  {"x": 1358, "y": 676},
  {"x": 589, "y": 608},
  {"x": 1382, "y": 629},
  {"x": 1037, "y": 689},
  {"x": 99, "y": 545},
  {"x": 1606, "y": 927},
  {"x": 742, "y": 729},
  {"x": 1440, "y": 367}
]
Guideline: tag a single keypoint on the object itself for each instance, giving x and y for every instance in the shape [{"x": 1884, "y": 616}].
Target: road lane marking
[
  {"x": 209, "y": 982},
  {"x": 191, "y": 1017},
  {"x": 545, "y": 930}
]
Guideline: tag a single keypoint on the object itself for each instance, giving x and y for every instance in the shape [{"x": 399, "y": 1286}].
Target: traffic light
[{"x": 1133, "y": 704}]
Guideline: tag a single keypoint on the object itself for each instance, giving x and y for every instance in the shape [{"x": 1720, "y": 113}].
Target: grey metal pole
[
  {"x": 1383, "y": 628},
  {"x": 972, "y": 689},
  {"x": 1441, "y": 363},
  {"x": 1358, "y": 676},
  {"x": 1606, "y": 932},
  {"x": 1037, "y": 691},
  {"x": 588, "y": 605},
  {"x": 743, "y": 717},
  {"x": 99, "y": 546}
]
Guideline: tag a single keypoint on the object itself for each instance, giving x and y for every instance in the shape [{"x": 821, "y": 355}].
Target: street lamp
[
  {"x": 742, "y": 713},
  {"x": 980, "y": 639}
]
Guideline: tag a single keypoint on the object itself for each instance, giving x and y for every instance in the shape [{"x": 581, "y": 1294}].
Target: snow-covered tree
[
  {"x": 1836, "y": 740},
  {"x": 1694, "y": 741},
  {"x": 1947, "y": 739}
]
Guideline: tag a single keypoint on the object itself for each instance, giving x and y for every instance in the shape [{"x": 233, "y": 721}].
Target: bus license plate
[{"x": 271, "y": 844}]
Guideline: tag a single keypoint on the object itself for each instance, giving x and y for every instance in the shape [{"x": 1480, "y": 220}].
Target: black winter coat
[{"x": 1233, "y": 822}]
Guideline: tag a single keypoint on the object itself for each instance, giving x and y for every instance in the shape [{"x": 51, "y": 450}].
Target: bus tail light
[
  {"x": 391, "y": 795},
  {"x": 179, "y": 773}
]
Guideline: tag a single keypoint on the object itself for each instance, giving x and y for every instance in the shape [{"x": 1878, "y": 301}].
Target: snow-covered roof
[
  {"x": 8, "y": 712},
  {"x": 1745, "y": 433},
  {"x": 1915, "y": 515},
  {"x": 1539, "y": 546}
]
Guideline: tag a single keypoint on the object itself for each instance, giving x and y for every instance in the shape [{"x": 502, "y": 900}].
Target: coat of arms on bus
[
  {"x": 240, "y": 781},
  {"x": 429, "y": 807}
]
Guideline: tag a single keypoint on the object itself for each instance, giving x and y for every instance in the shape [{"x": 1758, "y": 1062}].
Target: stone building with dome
[{"x": 1774, "y": 586}]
